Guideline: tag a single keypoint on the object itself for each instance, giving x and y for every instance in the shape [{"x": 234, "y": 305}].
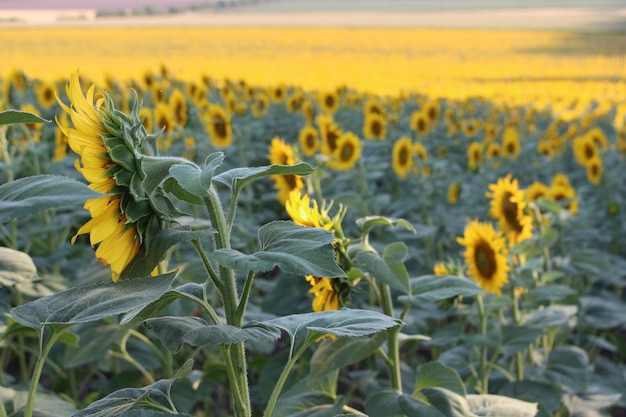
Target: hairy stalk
[
  {"x": 392, "y": 340},
  {"x": 484, "y": 374},
  {"x": 34, "y": 382}
]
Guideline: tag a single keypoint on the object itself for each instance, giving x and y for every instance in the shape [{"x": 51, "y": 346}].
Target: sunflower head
[
  {"x": 374, "y": 126},
  {"x": 282, "y": 153},
  {"x": 219, "y": 126},
  {"x": 485, "y": 256},
  {"x": 346, "y": 153},
  {"x": 112, "y": 147},
  {"x": 594, "y": 170},
  {"x": 402, "y": 157},
  {"x": 309, "y": 141},
  {"x": 419, "y": 123},
  {"x": 329, "y": 101},
  {"x": 508, "y": 206}
]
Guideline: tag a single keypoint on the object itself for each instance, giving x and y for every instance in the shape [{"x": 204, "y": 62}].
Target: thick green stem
[
  {"x": 392, "y": 340},
  {"x": 231, "y": 303},
  {"x": 41, "y": 360},
  {"x": 519, "y": 360},
  {"x": 245, "y": 295}
]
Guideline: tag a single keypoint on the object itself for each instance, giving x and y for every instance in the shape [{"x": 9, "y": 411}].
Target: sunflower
[
  {"x": 294, "y": 102},
  {"x": 329, "y": 133},
  {"x": 46, "y": 94},
  {"x": 61, "y": 138},
  {"x": 278, "y": 93},
  {"x": 485, "y": 256},
  {"x": 119, "y": 224},
  {"x": 470, "y": 127},
  {"x": 440, "y": 269},
  {"x": 420, "y": 151},
  {"x": 419, "y": 123},
  {"x": 159, "y": 93},
  {"x": 598, "y": 137},
  {"x": 402, "y": 159},
  {"x": 329, "y": 101},
  {"x": 306, "y": 213},
  {"x": 260, "y": 105},
  {"x": 545, "y": 148},
  {"x": 164, "y": 118},
  {"x": 347, "y": 152},
  {"x": 507, "y": 206},
  {"x": 373, "y": 106},
  {"x": 561, "y": 193},
  {"x": 145, "y": 115},
  {"x": 309, "y": 141},
  {"x": 510, "y": 142},
  {"x": 308, "y": 111},
  {"x": 585, "y": 149},
  {"x": 219, "y": 127},
  {"x": 374, "y": 127},
  {"x": 474, "y": 156},
  {"x": 594, "y": 170},
  {"x": 432, "y": 112},
  {"x": 536, "y": 190},
  {"x": 282, "y": 154},
  {"x": 178, "y": 106},
  {"x": 560, "y": 180},
  {"x": 453, "y": 193}
]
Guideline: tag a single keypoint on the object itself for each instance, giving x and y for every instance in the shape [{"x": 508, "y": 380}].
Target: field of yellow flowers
[{"x": 312, "y": 222}]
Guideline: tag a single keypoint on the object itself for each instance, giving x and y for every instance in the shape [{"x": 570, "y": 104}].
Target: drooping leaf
[
  {"x": 487, "y": 405},
  {"x": 602, "y": 312},
  {"x": 436, "y": 374},
  {"x": 567, "y": 366},
  {"x": 15, "y": 267},
  {"x": 342, "y": 323},
  {"x": 334, "y": 354},
  {"x": 294, "y": 249},
  {"x": 237, "y": 178},
  {"x": 30, "y": 195},
  {"x": 369, "y": 222},
  {"x": 118, "y": 402},
  {"x": 176, "y": 331},
  {"x": 16, "y": 116},
  {"x": 91, "y": 303},
  {"x": 429, "y": 288},
  {"x": 389, "y": 268}
]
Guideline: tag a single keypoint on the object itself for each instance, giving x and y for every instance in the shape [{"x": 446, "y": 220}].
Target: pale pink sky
[{"x": 93, "y": 4}]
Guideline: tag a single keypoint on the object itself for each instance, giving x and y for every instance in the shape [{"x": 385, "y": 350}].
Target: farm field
[{"x": 312, "y": 221}]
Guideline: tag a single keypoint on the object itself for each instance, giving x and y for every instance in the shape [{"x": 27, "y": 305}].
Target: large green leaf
[
  {"x": 602, "y": 312},
  {"x": 46, "y": 405},
  {"x": 237, "y": 178},
  {"x": 516, "y": 338},
  {"x": 334, "y": 354},
  {"x": 342, "y": 323},
  {"x": 487, "y": 405},
  {"x": 449, "y": 403},
  {"x": 307, "y": 394},
  {"x": 367, "y": 223},
  {"x": 547, "y": 394},
  {"x": 175, "y": 331},
  {"x": 429, "y": 288},
  {"x": 384, "y": 403},
  {"x": 412, "y": 407},
  {"x": 436, "y": 374},
  {"x": 15, "y": 116},
  {"x": 15, "y": 267},
  {"x": 567, "y": 366},
  {"x": 118, "y": 402},
  {"x": 550, "y": 316},
  {"x": 91, "y": 303},
  {"x": 294, "y": 249},
  {"x": 196, "y": 180},
  {"x": 27, "y": 196},
  {"x": 388, "y": 269}
]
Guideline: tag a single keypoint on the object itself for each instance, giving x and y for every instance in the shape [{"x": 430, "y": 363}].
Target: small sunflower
[
  {"x": 374, "y": 127},
  {"x": 309, "y": 141},
  {"x": 278, "y": 93},
  {"x": 432, "y": 111},
  {"x": 594, "y": 170},
  {"x": 585, "y": 150},
  {"x": 308, "y": 111},
  {"x": 329, "y": 133},
  {"x": 219, "y": 127},
  {"x": 419, "y": 123},
  {"x": 282, "y": 154},
  {"x": 178, "y": 105},
  {"x": 46, "y": 94},
  {"x": 294, "y": 102},
  {"x": 164, "y": 118},
  {"x": 561, "y": 193},
  {"x": 510, "y": 142},
  {"x": 485, "y": 256},
  {"x": 440, "y": 269},
  {"x": 561, "y": 180},
  {"x": 347, "y": 152},
  {"x": 536, "y": 190},
  {"x": 326, "y": 296},
  {"x": 260, "y": 105},
  {"x": 402, "y": 159},
  {"x": 329, "y": 101},
  {"x": 146, "y": 117},
  {"x": 120, "y": 223},
  {"x": 507, "y": 205},
  {"x": 598, "y": 137},
  {"x": 474, "y": 156},
  {"x": 470, "y": 127},
  {"x": 420, "y": 151},
  {"x": 373, "y": 106},
  {"x": 453, "y": 193}
]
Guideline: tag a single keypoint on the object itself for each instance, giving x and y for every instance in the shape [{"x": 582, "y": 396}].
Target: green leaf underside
[
  {"x": 436, "y": 374},
  {"x": 27, "y": 196},
  {"x": 90, "y": 303},
  {"x": 429, "y": 288},
  {"x": 117, "y": 402},
  {"x": 175, "y": 331},
  {"x": 237, "y": 178},
  {"x": 335, "y": 354},
  {"x": 11, "y": 116},
  {"x": 385, "y": 270},
  {"x": 368, "y": 222},
  {"x": 294, "y": 249},
  {"x": 497, "y": 405}
]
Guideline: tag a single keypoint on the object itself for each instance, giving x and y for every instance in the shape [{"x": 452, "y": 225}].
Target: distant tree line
[{"x": 155, "y": 11}]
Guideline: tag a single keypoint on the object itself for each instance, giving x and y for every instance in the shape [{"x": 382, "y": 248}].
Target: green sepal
[
  {"x": 122, "y": 156},
  {"x": 172, "y": 186}
]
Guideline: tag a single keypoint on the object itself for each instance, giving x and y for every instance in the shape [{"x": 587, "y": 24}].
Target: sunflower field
[{"x": 338, "y": 222}]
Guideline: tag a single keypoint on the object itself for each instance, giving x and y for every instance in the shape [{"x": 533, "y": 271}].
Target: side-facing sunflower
[
  {"x": 121, "y": 221},
  {"x": 585, "y": 149},
  {"x": 374, "y": 127},
  {"x": 219, "y": 127},
  {"x": 402, "y": 157},
  {"x": 281, "y": 153},
  {"x": 507, "y": 205},
  {"x": 474, "y": 156},
  {"x": 309, "y": 140},
  {"x": 598, "y": 137},
  {"x": 260, "y": 105},
  {"x": 432, "y": 111},
  {"x": 510, "y": 142},
  {"x": 329, "y": 133},
  {"x": 419, "y": 123},
  {"x": 347, "y": 152},
  {"x": 485, "y": 256},
  {"x": 536, "y": 190},
  {"x": 373, "y": 106},
  {"x": 453, "y": 193},
  {"x": 178, "y": 104},
  {"x": 164, "y": 118}
]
